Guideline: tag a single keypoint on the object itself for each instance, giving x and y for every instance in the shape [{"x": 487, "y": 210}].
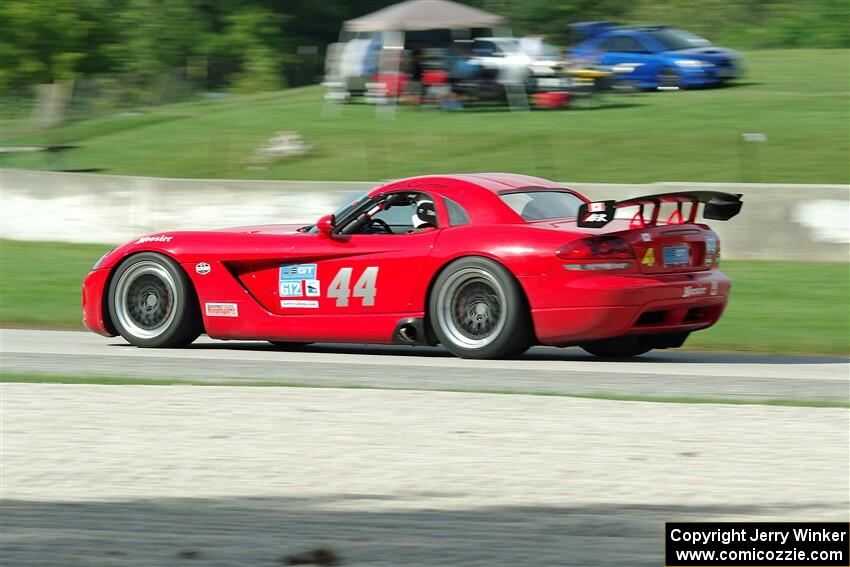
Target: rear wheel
[
  {"x": 620, "y": 347},
  {"x": 477, "y": 310},
  {"x": 152, "y": 302}
]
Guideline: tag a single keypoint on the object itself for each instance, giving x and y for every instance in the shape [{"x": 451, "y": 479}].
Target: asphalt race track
[
  {"x": 134, "y": 475},
  {"x": 660, "y": 373}
]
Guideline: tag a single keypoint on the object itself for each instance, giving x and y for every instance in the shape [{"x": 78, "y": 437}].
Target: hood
[
  {"x": 239, "y": 243},
  {"x": 263, "y": 229}
]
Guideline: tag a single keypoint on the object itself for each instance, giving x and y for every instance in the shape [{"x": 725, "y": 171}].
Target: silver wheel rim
[
  {"x": 145, "y": 299},
  {"x": 471, "y": 308}
]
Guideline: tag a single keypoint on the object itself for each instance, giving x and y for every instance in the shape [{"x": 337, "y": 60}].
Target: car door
[
  {"x": 623, "y": 51},
  {"x": 364, "y": 273}
]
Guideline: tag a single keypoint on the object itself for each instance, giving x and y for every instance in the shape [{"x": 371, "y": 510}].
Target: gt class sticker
[
  {"x": 221, "y": 310},
  {"x": 298, "y": 272}
]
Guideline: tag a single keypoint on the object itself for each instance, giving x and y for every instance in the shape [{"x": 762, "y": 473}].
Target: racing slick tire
[
  {"x": 478, "y": 310},
  {"x": 152, "y": 303},
  {"x": 619, "y": 347}
]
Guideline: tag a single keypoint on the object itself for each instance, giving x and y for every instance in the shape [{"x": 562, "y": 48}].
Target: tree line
[{"x": 255, "y": 45}]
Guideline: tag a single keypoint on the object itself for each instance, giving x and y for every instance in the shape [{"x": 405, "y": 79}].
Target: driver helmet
[{"x": 426, "y": 214}]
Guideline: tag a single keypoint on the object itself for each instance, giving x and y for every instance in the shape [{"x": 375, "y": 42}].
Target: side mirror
[{"x": 326, "y": 225}]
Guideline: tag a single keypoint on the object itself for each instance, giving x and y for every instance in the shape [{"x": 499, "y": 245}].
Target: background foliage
[{"x": 253, "y": 45}]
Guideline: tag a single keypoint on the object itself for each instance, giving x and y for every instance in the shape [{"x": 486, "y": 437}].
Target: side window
[
  {"x": 397, "y": 217},
  {"x": 622, "y": 44},
  {"x": 612, "y": 43},
  {"x": 632, "y": 45},
  {"x": 485, "y": 49},
  {"x": 609, "y": 43},
  {"x": 457, "y": 214},
  {"x": 397, "y": 213}
]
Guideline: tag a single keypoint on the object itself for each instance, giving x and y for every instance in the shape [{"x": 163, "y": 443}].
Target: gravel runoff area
[{"x": 174, "y": 475}]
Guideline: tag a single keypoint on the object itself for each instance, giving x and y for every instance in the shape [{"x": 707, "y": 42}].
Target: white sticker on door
[
  {"x": 312, "y": 288},
  {"x": 308, "y": 303},
  {"x": 221, "y": 310}
]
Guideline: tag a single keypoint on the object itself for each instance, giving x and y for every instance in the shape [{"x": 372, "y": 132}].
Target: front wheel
[
  {"x": 152, "y": 302},
  {"x": 478, "y": 310},
  {"x": 669, "y": 79}
]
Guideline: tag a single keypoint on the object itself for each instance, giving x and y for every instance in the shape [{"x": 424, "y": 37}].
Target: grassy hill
[{"x": 797, "y": 98}]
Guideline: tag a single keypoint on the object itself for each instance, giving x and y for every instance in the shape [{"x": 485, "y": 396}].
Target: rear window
[
  {"x": 457, "y": 214},
  {"x": 540, "y": 205}
]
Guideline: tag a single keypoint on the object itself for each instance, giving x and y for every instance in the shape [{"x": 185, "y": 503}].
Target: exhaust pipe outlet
[
  {"x": 408, "y": 333},
  {"x": 411, "y": 331}
]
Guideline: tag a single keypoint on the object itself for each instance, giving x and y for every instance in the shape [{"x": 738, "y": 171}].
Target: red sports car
[{"x": 485, "y": 264}]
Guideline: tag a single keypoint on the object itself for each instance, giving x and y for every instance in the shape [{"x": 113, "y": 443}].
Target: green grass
[
  {"x": 777, "y": 307},
  {"x": 783, "y": 307},
  {"x": 797, "y": 98},
  {"x": 122, "y": 381},
  {"x": 40, "y": 282}
]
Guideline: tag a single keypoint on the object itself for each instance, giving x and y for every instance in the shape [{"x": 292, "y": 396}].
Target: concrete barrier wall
[{"x": 805, "y": 222}]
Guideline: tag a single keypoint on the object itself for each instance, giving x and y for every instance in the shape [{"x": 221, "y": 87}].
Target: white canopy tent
[
  {"x": 418, "y": 15},
  {"x": 393, "y": 24}
]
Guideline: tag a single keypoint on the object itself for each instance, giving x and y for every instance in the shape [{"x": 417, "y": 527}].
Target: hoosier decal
[{"x": 694, "y": 290}]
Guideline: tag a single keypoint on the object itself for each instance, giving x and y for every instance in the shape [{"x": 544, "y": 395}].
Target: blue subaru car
[{"x": 653, "y": 57}]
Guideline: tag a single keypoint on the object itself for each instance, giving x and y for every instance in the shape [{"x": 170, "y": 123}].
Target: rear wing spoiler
[{"x": 718, "y": 206}]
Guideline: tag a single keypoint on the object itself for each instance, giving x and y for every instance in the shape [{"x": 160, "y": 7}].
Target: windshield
[
  {"x": 674, "y": 40},
  {"x": 540, "y": 205},
  {"x": 509, "y": 46},
  {"x": 344, "y": 211},
  {"x": 341, "y": 213}
]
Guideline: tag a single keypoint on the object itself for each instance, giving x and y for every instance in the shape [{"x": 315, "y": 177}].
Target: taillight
[
  {"x": 712, "y": 251},
  {"x": 596, "y": 248}
]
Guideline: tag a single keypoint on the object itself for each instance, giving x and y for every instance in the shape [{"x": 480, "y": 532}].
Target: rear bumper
[
  {"x": 94, "y": 289},
  {"x": 610, "y": 306}
]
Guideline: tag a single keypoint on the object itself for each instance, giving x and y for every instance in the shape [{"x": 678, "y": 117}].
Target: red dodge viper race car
[{"x": 486, "y": 265}]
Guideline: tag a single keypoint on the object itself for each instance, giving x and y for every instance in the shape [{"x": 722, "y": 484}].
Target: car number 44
[{"x": 365, "y": 288}]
